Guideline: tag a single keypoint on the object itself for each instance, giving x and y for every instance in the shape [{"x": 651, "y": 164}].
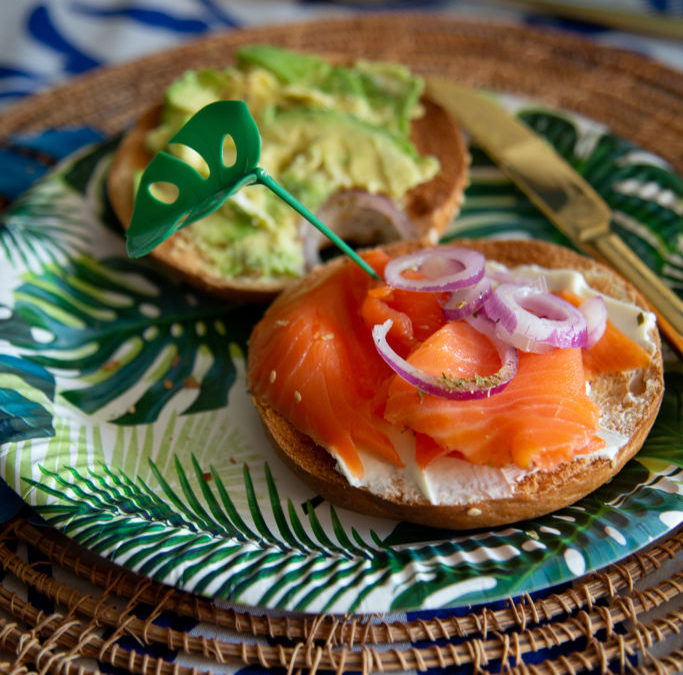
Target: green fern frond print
[
  {"x": 50, "y": 223},
  {"x": 26, "y": 394},
  {"x": 665, "y": 442},
  {"x": 113, "y": 323},
  {"x": 274, "y": 553}
]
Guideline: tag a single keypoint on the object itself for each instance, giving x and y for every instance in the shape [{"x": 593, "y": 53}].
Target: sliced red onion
[
  {"x": 359, "y": 217},
  {"x": 503, "y": 276},
  {"x": 595, "y": 311},
  {"x": 535, "y": 322},
  {"x": 458, "y": 389},
  {"x": 465, "y": 301},
  {"x": 482, "y": 323},
  {"x": 311, "y": 240},
  {"x": 500, "y": 276},
  {"x": 447, "y": 268}
]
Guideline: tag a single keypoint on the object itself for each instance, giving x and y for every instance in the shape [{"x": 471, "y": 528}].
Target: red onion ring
[
  {"x": 595, "y": 311},
  {"x": 357, "y": 216},
  {"x": 465, "y": 301},
  {"x": 535, "y": 322},
  {"x": 538, "y": 283},
  {"x": 457, "y": 389},
  {"x": 480, "y": 322},
  {"x": 447, "y": 268}
]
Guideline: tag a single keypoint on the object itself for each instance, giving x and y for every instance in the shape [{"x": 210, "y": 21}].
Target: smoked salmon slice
[
  {"x": 315, "y": 363},
  {"x": 614, "y": 351},
  {"x": 542, "y": 417},
  {"x": 415, "y": 316}
]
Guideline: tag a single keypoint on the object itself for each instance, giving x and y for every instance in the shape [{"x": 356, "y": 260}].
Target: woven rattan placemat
[
  {"x": 67, "y": 610},
  {"x": 618, "y": 620}
]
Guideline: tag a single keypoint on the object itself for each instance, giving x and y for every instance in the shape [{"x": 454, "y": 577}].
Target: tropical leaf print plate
[{"x": 126, "y": 422}]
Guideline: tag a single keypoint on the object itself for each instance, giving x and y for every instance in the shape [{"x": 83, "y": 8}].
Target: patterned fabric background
[{"x": 44, "y": 42}]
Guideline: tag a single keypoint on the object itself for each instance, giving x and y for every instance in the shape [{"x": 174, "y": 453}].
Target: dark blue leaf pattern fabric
[
  {"x": 41, "y": 27},
  {"x": 47, "y": 41}
]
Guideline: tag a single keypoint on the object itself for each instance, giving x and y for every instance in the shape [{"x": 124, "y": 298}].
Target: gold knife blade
[{"x": 558, "y": 191}]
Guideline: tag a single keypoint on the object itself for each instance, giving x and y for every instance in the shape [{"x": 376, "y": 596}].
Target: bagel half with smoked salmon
[
  {"x": 308, "y": 391},
  {"x": 423, "y": 211}
]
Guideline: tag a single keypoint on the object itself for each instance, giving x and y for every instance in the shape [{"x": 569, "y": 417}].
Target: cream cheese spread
[
  {"x": 630, "y": 319},
  {"x": 451, "y": 481}
]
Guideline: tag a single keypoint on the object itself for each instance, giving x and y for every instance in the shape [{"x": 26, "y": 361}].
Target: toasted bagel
[
  {"x": 430, "y": 206},
  {"x": 629, "y": 402}
]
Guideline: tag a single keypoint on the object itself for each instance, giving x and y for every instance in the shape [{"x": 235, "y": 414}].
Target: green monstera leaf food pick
[{"x": 172, "y": 194}]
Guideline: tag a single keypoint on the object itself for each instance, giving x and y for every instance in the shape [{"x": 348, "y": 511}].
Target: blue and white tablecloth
[{"x": 45, "y": 42}]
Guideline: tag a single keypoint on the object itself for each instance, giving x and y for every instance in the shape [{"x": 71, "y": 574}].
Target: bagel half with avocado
[
  {"x": 366, "y": 439},
  {"x": 359, "y": 145}
]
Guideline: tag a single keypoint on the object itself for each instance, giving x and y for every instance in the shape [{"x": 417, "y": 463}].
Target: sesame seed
[
  {"x": 297, "y": 397},
  {"x": 273, "y": 375},
  {"x": 474, "y": 512}
]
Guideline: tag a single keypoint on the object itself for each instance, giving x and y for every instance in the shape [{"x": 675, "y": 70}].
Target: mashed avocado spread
[{"x": 324, "y": 128}]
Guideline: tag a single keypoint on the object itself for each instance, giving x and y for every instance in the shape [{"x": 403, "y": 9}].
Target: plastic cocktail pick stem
[{"x": 172, "y": 194}]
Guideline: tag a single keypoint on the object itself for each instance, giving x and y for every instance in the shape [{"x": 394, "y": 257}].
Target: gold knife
[{"x": 558, "y": 191}]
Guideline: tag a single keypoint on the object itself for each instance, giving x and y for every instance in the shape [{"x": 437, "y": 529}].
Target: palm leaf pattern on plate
[
  {"x": 273, "y": 553},
  {"x": 50, "y": 222},
  {"x": 26, "y": 394},
  {"x": 665, "y": 441},
  {"x": 494, "y": 207},
  {"x": 46, "y": 223},
  {"x": 114, "y": 321},
  {"x": 138, "y": 454}
]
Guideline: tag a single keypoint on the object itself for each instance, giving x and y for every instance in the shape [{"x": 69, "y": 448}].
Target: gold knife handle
[{"x": 664, "y": 301}]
